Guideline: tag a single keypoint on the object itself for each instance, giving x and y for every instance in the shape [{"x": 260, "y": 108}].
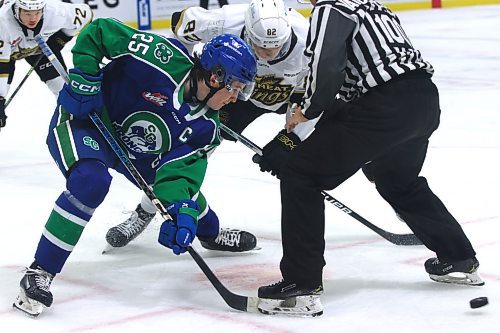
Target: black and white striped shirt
[{"x": 354, "y": 45}]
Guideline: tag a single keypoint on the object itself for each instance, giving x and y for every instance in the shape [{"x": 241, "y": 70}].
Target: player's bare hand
[{"x": 296, "y": 118}]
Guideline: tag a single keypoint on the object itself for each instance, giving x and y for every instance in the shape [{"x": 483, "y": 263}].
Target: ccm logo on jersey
[{"x": 155, "y": 98}]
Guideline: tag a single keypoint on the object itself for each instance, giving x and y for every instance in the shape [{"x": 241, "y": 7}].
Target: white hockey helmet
[
  {"x": 28, "y": 5},
  {"x": 267, "y": 24}
]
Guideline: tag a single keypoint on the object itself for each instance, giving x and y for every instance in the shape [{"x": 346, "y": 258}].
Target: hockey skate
[
  {"x": 34, "y": 295},
  {"x": 458, "y": 272},
  {"x": 287, "y": 298},
  {"x": 125, "y": 232},
  {"x": 231, "y": 240}
]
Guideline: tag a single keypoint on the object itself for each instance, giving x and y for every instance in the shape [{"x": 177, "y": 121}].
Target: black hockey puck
[{"x": 478, "y": 302}]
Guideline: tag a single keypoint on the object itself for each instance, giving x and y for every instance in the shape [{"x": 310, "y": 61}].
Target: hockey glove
[
  {"x": 82, "y": 95},
  {"x": 3, "y": 117},
  {"x": 58, "y": 40},
  {"x": 180, "y": 233},
  {"x": 276, "y": 153}
]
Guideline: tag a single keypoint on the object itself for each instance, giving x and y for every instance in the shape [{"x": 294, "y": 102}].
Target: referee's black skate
[
  {"x": 125, "y": 232},
  {"x": 35, "y": 293},
  {"x": 458, "y": 272},
  {"x": 289, "y": 298},
  {"x": 231, "y": 240}
]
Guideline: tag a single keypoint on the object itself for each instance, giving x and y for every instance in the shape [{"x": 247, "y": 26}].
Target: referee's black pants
[{"x": 390, "y": 125}]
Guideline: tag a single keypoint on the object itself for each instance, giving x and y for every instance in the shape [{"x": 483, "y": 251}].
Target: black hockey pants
[{"x": 390, "y": 126}]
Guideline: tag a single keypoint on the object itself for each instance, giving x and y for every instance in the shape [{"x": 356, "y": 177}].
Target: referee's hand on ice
[{"x": 296, "y": 118}]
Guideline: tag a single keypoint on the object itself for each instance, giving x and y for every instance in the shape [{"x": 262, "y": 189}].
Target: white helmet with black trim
[
  {"x": 28, "y": 5},
  {"x": 267, "y": 24}
]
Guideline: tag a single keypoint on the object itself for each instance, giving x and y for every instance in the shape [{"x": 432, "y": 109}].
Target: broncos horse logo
[
  {"x": 142, "y": 139},
  {"x": 144, "y": 132}
]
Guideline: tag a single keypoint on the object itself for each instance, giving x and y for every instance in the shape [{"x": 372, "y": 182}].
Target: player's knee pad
[
  {"x": 89, "y": 182},
  {"x": 208, "y": 224}
]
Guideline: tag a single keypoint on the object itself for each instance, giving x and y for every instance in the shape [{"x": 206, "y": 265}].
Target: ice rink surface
[{"x": 370, "y": 284}]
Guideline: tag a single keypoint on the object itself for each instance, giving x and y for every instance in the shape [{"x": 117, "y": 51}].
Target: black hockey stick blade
[
  {"x": 235, "y": 301},
  {"x": 398, "y": 239}
]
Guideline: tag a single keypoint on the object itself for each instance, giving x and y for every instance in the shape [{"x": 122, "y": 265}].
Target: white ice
[{"x": 370, "y": 284}]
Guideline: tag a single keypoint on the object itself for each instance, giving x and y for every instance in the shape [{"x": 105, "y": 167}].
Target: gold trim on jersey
[{"x": 23, "y": 53}]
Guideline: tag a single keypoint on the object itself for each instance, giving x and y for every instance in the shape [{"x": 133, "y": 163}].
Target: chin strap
[
  {"x": 193, "y": 89},
  {"x": 284, "y": 49},
  {"x": 212, "y": 92}
]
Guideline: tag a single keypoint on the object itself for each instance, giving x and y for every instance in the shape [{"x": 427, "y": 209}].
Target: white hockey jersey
[
  {"x": 15, "y": 44},
  {"x": 276, "y": 79}
]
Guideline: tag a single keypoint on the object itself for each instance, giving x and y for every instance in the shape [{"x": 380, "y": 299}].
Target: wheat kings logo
[
  {"x": 144, "y": 132},
  {"x": 269, "y": 90},
  {"x": 163, "y": 53}
]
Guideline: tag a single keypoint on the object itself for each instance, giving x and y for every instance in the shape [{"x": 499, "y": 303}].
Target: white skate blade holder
[
  {"x": 470, "y": 279},
  {"x": 301, "y": 306},
  {"x": 30, "y": 307}
]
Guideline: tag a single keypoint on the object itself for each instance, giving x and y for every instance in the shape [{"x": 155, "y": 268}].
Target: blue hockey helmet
[{"x": 230, "y": 58}]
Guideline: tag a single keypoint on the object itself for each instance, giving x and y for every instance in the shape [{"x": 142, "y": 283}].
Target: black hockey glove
[
  {"x": 57, "y": 41},
  {"x": 276, "y": 153},
  {"x": 3, "y": 117}
]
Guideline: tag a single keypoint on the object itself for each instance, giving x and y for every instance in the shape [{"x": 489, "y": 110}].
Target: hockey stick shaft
[
  {"x": 235, "y": 301},
  {"x": 398, "y": 239},
  {"x": 107, "y": 135},
  {"x": 23, "y": 80}
]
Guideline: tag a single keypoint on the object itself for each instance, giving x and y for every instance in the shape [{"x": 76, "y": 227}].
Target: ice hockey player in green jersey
[{"x": 161, "y": 105}]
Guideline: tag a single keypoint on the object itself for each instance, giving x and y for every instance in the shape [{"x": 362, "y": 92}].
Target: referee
[{"x": 380, "y": 106}]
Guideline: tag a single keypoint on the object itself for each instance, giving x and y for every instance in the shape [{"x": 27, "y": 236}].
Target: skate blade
[
  {"x": 302, "y": 306},
  {"x": 28, "y": 306},
  {"x": 256, "y": 248},
  {"x": 469, "y": 279},
  {"x": 108, "y": 248}
]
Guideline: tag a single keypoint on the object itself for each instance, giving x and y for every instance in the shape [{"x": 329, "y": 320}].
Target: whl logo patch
[
  {"x": 88, "y": 141},
  {"x": 163, "y": 53},
  {"x": 16, "y": 41},
  {"x": 155, "y": 98}
]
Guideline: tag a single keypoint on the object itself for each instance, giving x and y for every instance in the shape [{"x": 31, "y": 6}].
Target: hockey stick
[
  {"x": 235, "y": 301},
  {"x": 398, "y": 239},
  {"x": 23, "y": 80}
]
